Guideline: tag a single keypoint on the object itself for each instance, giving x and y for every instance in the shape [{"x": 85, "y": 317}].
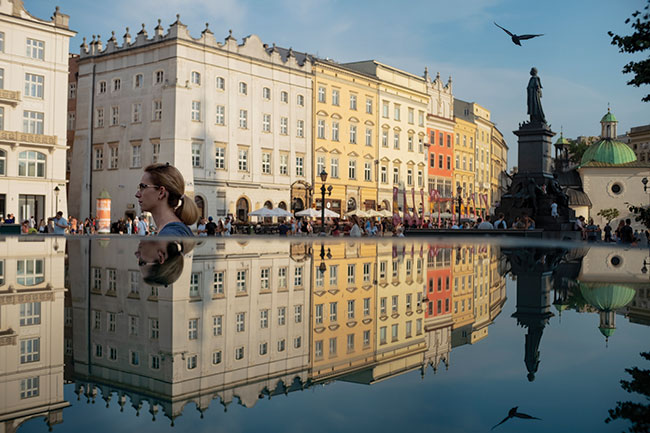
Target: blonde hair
[
  {"x": 163, "y": 274},
  {"x": 168, "y": 176}
]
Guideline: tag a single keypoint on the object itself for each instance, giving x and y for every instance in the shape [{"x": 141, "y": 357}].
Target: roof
[
  {"x": 570, "y": 178},
  {"x": 608, "y": 151},
  {"x": 607, "y": 297},
  {"x": 578, "y": 198},
  {"x": 562, "y": 140},
  {"x": 609, "y": 117},
  {"x": 633, "y": 164}
]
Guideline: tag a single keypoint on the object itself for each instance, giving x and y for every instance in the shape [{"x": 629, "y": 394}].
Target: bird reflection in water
[
  {"x": 512, "y": 413},
  {"x": 161, "y": 262}
]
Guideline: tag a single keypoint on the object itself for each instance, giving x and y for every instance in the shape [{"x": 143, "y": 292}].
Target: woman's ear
[
  {"x": 161, "y": 256},
  {"x": 162, "y": 192}
]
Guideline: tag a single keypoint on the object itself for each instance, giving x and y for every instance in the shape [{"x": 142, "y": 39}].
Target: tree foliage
[
  {"x": 637, "y": 42},
  {"x": 609, "y": 214},
  {"x": 576, "y": 150},
  {"x": 637, "y": 413},
  {"x": 642, "y": 214}
]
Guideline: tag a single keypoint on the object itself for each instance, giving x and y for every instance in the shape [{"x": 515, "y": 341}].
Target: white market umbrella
[
  {"x": 358, "y": 213},
  {"x": 263, "y": 213},
  {"x": 373, "y": 213},
  {"x": 315, "y": 213},
  {"x": 279, "y": 212},
  {"x": 386, "y": 213}
]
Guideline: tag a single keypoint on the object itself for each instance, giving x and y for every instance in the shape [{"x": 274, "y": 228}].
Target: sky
[{"x": 579, "y": 68}]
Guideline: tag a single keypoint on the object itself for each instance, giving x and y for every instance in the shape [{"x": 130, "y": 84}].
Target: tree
[
  {"x": 637, "y": 413},
  {"x": 576, "y": 149},
  {"x": 637, "y": 42},
  {"x": 609, "y": 214},
  {"x": 642, "y": 214}
]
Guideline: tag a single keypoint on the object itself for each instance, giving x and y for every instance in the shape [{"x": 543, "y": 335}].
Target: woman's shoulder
[{"x": 175, "y": 229}]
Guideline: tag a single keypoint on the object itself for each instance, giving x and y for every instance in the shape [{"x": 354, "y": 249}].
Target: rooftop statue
[{"x": 534, "y": 89}]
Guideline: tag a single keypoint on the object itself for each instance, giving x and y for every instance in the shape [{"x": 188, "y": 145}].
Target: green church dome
[
  {"x": 607, "y": 297},
  {"x": 608, "y": 151},
  {"x": 562, "y": 140},
  {"x": 607, "y": 332},
  {"x": 609, "y": 117}
]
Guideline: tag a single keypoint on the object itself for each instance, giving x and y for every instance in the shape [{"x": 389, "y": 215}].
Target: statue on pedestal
[{"x": 534, "y": 90}]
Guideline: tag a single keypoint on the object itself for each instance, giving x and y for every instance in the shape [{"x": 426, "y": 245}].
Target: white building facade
[
  {"x": 235, "y": 119},
  {"x": 33, "y": 107}
]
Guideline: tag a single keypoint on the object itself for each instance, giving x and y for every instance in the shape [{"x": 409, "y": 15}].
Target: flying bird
[
  {"x": 512, "y": 413},
  {"x": 516, "y": 39}
]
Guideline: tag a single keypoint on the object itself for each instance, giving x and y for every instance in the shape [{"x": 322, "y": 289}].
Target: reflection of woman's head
[{"x": 161, "y": 262}]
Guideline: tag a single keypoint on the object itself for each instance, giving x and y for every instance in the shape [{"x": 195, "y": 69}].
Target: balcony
[
  {"x": 15, "y": 138},
  {"x": 9, "y": 97}
]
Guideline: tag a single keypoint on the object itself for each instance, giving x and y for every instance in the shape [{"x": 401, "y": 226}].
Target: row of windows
[
  {"x": 333, "y": 344},
  {"x": 33, "y": 121},
  {"x": 30, "y": 163},
  {"x": 441, "y": 161},
  {"x": 34, "y": 84},
  {"x": 29, "y": 272},
  {"x": 441, "y": 139},
  {"x": 319, "y": 309},
  {"x": 34, "y": 48},
  {"x": 367, "y": 171},
  {"x": 336, "y": 99},
  {"x": 321, "y": 127}
]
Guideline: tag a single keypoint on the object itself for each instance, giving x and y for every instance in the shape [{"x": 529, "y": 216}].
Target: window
[
  {"x": 264, "y": 348},
  {"x": 30, "y": 350},
  {"x": 239, "y": 353},
  {"x": 353, "y": 134},
  {"x": 154, "y": 329},
  {"x": 421, "y": 118},
  {"x": 369, "y": 105},
  {"x": 221, "y": 83},
  {"x": 284, "y": 125},
  {"x": 195, "y": 278},
  {"x": 394, "y": 329},
  {"x": 382, "y": 306},
  {"x": 350, "y": 308},
  {"x": 333, "y": 346},
  {"x": 409, "y": 326},
  {"x": 397, "y": 112},
  {"x": 113, "y": 157},
  {"x": 411, "y": 115},
  {"x": 321, "y": 129},
  {"x": 35, "y": 48},
  {"x": 448, "y": 140},
  {"x": 196, "y": 111},
  {"x": 297, "y": 313},
  {"x": 366, "y": 338},
  {"x": 297, "y": 342},
  {"x": 196, "y": 154},
  {"x": 384, "y": 138},
  {"x": 318, "y": 348},
  {"x": 335, "y": 97},
  {"x": 31, "y": 164},
  {"x": 352, "y": 169},
  {"x": 241, "y": 281},
  {"x": 282, "y": 315},
  {"x": 318, "y": 317},
  {"x": 449, "y": 163},
  {"x": 136, "y": 113},
  {"x": 32, "y": 122},
  {"x": 192, "y": 362},
  {"x": 138, "y": 81},
  {"x": 266, "y": 123},
  {"x": 396, "y": 140},
  {"x": 335, "y": 131},
  {"x": 243, "y": 88},
  {"x": 297, "y": 276},
  {"x": 217, "y": 326},
  {"x": 117, "y": 84},
  {"x": 158, "y": 77},
  {"x": 409, "y": 176},
  {"x": 242, "y": 159},
  {"x": 2, "y": 118},
  {"x": 282, "y": 278},
  {"x": 240, "y": 321},
  {"x": 101, "y": 87},
  {"x": 29, "y": 387},
  {"x": 384, "y": 109},
  {"x": 395, "y": 174},
  {"x": 154, "y": 362},
  {"x": 266, "y": 93},
  {"x": 193, "y": 329},
  {"x": 133, "y": 326},
  {"x": 156, "y": 110},
  {"x": 300, "y": 100},
  {"x": 366, "y": 307},
  {"x": 300, "y": 128},
  {"x": 368, "y": 136},
  {"x": 320, "y": 164},
  {"x": 3, "y": 171},
  {"x": 284, "y": 97},
  {"x": 382, "y": 335},
  {"x": 243, "y": 119},
  {"x": 284, "y": 164},
  {"x": 264, "y": 319},
  {"x": 350, "y": 342},
  {"x": 115, "y": 116},
  {"x": 136, "y": 160},
  {"x": 99, "y": 350},
  {"x": 196, "y": 78},
  {"x": 266, "y": 165},
  {"x": 155, "y": 152},
  {"x": 216, "y": 357},
  {"x": 353, "y": 101},
  {"x": 384, "y": 174},
  {"x": 420, "y": 178},
  {"x": 410, "y": 143},
  {"x": 300, "y": 167},
  {"x": 2, "y": 42},
  {"x": 367, "y": 171},
  {"x": 220, "y": 158},
  {"x": 333, "y": 311},
  {"x": 334, "y": 168},
  {"x": 34, "y": 85},
  {"x": 112, "y": 353},
  {"x": 30, "y": 314},
  {"x": 440, "y": 161},
  {"x": 321, "y": 94}
]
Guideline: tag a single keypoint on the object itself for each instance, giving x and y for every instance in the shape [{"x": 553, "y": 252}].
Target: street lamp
[
  {"x": 323, "y": 190},
  {"x": 56, "y": 194},
  {"x": 459, "y": 190},
  {"x": 644, "y": 181}
]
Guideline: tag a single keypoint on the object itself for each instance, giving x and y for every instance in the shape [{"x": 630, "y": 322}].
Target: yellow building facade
[
  {"x": 498, "y": 165},
  {"x": 464, "y": 132},
  {"x": 345, "y": 119}
]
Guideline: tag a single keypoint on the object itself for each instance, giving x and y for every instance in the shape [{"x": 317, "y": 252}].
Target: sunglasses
[{"x": 143, "y": 186}]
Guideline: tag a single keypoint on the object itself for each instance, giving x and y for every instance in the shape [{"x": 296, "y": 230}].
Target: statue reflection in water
[{"x": 161, "y": 262}]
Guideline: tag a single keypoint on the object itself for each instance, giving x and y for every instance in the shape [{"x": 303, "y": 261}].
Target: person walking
[
  {"x": 60, "y": 224},
  {"x": 627, "y": 234},
  {"x": 211, "y": 227}
]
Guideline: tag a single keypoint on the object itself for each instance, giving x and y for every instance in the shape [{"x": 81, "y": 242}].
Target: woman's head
[{"x": 164, "y": 183}]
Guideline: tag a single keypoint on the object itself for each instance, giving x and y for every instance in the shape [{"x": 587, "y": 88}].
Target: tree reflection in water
[{"x": 637, "y": 413}]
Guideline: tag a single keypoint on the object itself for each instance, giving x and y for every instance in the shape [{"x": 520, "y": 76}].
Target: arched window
[
  {"x": 3, "y": 162},
  {"x": 352, "y": 204},
  {"x": 200, "y": 203},
  {"x": 31, "y": 164},
  {"x": 242, "y": 209}
]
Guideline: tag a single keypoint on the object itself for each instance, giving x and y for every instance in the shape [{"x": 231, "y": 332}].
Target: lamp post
[
  {"x": 56, "y": 195},
  {"x": 644, "y": 181},
  {"x": 323, "y": 190},
  {"x": 459, "y": 190}
]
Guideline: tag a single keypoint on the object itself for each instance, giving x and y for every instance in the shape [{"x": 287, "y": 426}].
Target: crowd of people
[{"x": 623, "y": 234}]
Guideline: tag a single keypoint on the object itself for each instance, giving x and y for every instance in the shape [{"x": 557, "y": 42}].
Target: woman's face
[
  {"x": 148, "y": 194},
  {"x": 151, "y": 252}
]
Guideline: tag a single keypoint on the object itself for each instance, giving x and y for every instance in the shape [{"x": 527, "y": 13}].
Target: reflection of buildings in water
[
  {"x": 235, "y": 324},
  {"x": 611, "y": 281},
  {"x": 31, "y": 336},
  {"x": 438, "y": 307}
]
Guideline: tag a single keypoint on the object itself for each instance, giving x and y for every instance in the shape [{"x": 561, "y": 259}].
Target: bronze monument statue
[{"x": 534, "y": 89}]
